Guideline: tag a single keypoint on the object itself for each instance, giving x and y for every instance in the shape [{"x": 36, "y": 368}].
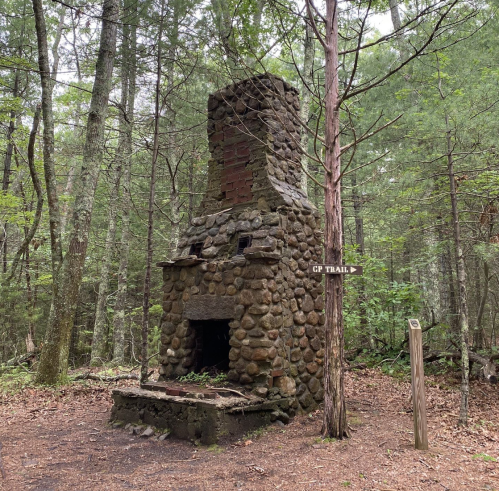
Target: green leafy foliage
[
  {"x": 484, "y": 457},
  {"x": 374, "y": 305}
]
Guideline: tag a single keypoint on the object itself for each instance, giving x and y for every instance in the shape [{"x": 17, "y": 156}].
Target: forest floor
[{"x": 59, "y": 439}]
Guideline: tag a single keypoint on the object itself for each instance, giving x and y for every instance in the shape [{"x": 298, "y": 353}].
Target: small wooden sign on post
[
  {"x": 418, "y": 392},
  {"x": 334, "y": 269}
]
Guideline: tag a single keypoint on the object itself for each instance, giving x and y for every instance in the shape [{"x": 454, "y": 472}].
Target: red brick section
[
  {"x": 236, "y": 179},
  {"x": 217, "y": 137}
]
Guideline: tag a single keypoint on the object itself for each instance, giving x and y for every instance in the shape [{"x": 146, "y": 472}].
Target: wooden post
[{"x": 418, "y": 392}]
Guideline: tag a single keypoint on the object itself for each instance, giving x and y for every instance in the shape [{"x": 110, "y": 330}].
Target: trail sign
[{"x": 334, "y": 269}]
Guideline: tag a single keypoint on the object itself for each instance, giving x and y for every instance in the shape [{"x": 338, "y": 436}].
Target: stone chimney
[
  {"x": 254, "y": 138},
  {"x": 238, "y": 298}
]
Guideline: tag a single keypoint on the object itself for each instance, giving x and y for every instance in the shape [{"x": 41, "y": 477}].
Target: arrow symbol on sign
[{"x": 352, "y": 269}]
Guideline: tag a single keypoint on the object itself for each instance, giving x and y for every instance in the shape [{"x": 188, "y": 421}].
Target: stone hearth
[{"x": 190, "y": 417}]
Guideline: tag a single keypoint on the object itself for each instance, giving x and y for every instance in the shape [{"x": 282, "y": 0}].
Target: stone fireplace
[{"x": 238, "y": 297}]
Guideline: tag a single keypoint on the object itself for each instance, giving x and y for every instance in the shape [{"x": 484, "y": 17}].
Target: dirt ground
[{"x": 60, "y": 440}]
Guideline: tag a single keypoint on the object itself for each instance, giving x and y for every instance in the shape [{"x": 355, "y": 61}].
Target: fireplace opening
[{"x": 212, "y": 346}]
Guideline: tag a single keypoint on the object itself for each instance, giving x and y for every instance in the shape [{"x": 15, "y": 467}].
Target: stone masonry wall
[{"x": 276, "y": 322}]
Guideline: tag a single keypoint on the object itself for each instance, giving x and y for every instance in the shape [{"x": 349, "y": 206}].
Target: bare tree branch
[{"x": 365, "y": 136}]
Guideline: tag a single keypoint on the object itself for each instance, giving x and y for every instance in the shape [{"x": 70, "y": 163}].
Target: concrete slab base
[{"x": 208, "y": 421}]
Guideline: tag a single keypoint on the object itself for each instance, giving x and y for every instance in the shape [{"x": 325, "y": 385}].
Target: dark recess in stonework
[
  {"x": 242, "y": 243},
  {"x": 212, "y": 346},
  {"x": 196, "y": 249}
]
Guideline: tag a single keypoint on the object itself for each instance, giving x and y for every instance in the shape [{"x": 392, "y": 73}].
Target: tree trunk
[
  {"x": 334, "y": 423},
  {"x": 190, "y": 186},
  {"x": 78, "y": 133},
  {"x": 54, "y": 357},
  {"x": 461, "y": 280},
  {"x": 99, "y": 339},
  {"x": 445, "y": 273},
  {"x": 225, "y": 32},
  {"x": 57, "y": 41},
  {"x": 124, "y": 249},
  {"x": 100, "y": 335},
  {"x": 397, "y": 24},
  {"x": 173, "y": 160},
  {"x": 253, "y": 41},
  {"x": 406, "y": 255},
  {"x": 30, "y": 233},
  {"x": 478, "y": 334},
  {"x": 8, "y": 153},
  {"x": 449, "y": 279},
  {"x": 31, "y": 335},
  {"x": 357, "y": 212},
  {"x": 395, "y": 14},
  {"x": 48, "y": 143},
  {"x": 128, "y": 81},
  {"x": 150, "y": 221},
  {"x": 306, "y": 96},
  {"x": 175, "y": 219},
  {"x": 367, "y": 340},
  {"x": 10, "y": 131}
]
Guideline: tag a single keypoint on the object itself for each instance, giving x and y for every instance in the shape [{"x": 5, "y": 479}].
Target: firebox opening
[{"x": 212, "y": 346}]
